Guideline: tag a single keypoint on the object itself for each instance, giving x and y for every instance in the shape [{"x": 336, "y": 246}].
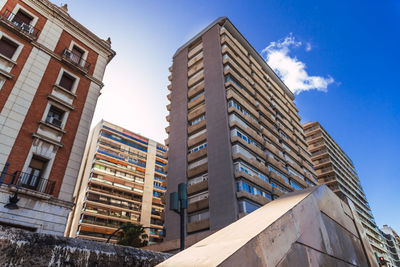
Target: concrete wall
[
  {"x": 20, "y": 248},
  {"x": 311, "y": 227},
  {"x": 36, "y": 210}
]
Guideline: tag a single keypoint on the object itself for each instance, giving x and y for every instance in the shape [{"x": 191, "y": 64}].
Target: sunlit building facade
[
  {"x": 392, "y": 242},
  {"x": 234, "y": 132},
  {"x": 121, "y": 180},
  {"x": 334, "y": 168}
]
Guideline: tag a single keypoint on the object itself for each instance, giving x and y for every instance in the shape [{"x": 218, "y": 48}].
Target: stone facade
[
  {"x": 20, "y": 248},
  {"x": 51, "y": 71}
]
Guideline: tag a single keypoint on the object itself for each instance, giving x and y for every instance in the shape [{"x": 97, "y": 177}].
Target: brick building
[{"x": 51, "y": 71}]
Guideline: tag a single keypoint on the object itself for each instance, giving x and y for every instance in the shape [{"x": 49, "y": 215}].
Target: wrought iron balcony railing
[
  {"x": 76, "y": 60},
  {"x": 33, "y": 182},
  {"x": 19, "y": 24}
]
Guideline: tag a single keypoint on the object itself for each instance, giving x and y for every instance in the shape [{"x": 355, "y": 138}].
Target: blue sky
[{"x": 355, "y": 43}]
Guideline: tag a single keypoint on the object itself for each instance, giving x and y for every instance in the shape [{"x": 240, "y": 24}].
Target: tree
[{"x": 132, "y": 235}]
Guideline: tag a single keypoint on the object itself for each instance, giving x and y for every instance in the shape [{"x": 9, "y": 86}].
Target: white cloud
[
  {"x": 291, "y": 70},
  {"x": 308, "y": 47}
]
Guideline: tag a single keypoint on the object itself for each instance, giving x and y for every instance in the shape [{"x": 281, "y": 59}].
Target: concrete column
[
  {"x": 221, "y": 186},
  {"x": 177, "y": 163},
  {"x": 145, "y": 215}
]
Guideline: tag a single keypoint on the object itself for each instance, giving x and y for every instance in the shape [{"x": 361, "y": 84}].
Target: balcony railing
[
  {"x": 32, "y": 182},
  {"x": 76, "y": 60},
  {"x": 17, "y": 23}
]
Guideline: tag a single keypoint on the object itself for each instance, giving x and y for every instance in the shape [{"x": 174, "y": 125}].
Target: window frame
[
  {"x": 17, "y": 52},
  {"x": 85, "y": 52},
  {"x": 74, "y": 87},
  {"x": 18, "y": 7}
]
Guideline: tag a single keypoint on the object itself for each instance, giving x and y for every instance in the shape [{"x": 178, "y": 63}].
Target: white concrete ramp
[{"x": 311, "y": 227}]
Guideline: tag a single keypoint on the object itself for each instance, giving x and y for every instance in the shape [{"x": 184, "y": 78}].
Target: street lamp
[{"x": 178, "y": 203}]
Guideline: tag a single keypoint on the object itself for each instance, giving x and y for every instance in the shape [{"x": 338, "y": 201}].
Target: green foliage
[{"x": 132, "y": 235}]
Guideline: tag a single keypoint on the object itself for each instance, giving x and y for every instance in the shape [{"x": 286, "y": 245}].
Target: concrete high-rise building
[
  {"x": 121, "y": 180},
  {"x": 334, "y": 168},
  {"x": 51, "y": 71},
  {"x": 392, "y": 242},
  {"x": 235, "y": 136}
]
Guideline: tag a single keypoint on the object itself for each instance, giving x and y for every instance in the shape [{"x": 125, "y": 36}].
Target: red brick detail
[
  {"x": 16, "y": 70},
  {"x": 23, "y": 56},
  {"x": 10, "y": 5},
  {"x": 20, "y": 150},
  {"x": 64, "y": 43}
]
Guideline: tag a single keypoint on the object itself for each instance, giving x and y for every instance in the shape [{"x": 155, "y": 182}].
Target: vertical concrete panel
[
  {"x": 14, "y": 114},
  {"x": 145, "y": 215},
  {"x": 221, "y": 187},
  {"x": 177, "y": 152},
  {"x": 71, "y": 173}
]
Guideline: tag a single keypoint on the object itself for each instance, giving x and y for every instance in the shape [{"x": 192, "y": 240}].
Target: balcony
[
  {"x": 75, "y": 60},
  {"x": 14, "y": 23},
  {"x": 32, "y": 182}
]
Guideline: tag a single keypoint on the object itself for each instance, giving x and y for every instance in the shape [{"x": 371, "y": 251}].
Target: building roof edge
[{"x": 224, "y": 21}]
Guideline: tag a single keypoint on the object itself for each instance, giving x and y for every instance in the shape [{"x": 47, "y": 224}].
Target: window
[
  {"x": 246, "y": 206},
  {"x": 67, "y": 81},
  {"x": 55, "y": 116},
  {"x": 7, "y": 47},
  {"x": 77, "y": 54},
  {"x": 22, "y": 18},
  {"x": 196, "y": 96},
  {"x": 197, "y": 148},
  {"x": 34, "y": 172},
  {"x": 197, "y": 120}
]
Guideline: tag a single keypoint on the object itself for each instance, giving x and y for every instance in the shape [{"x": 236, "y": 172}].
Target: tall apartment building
[
  {"x": 392, "y": 242},
  {"x": 121, "y": 180},
  {"x": 235, "y": 136},
  {"x": 334, "y": 168},
  {"x": 51, "y": 71}
]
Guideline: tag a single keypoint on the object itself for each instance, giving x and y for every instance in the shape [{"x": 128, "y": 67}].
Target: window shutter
[
  {"x": 7, "y": 47},
  {"x": 67, "y": 81}
]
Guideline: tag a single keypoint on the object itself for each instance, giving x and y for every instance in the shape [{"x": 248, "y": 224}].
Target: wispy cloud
[
  {"x": 291, "y": 70},
  {"x": 308, "y": 47}
]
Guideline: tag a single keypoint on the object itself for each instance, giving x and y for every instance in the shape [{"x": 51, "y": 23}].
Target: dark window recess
[
  {"x": 7, "y": 47},
  {"x": 21, "y": 17},
  {"x": 67, "y": 81},
  {"x": 34, "y": 172},
  {"x": 77, "y": 54},
  {"x": 55, "y": 116}
]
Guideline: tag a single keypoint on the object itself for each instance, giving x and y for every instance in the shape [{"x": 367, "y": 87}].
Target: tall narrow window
[
  {"x": 32, "y": 177},
  {"x": 7, "y": 47},
  {"x": 67, "y": 81},
  {"x": 55, "y": 116},
  {"x": 77, "y": 54}
]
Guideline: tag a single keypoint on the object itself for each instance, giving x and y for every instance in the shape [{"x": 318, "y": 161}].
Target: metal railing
[
  {"x": 18, "y": 23},
  {"x": 76, "y": 60},
  {"x": 32, "y": 182}
]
